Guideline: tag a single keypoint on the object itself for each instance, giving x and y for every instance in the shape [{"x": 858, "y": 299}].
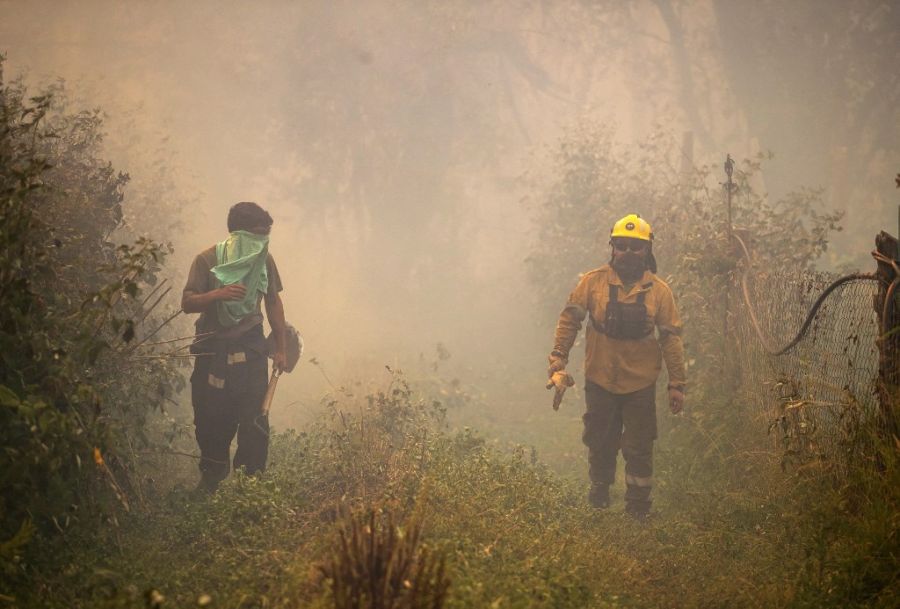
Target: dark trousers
[
  {"x": 627, "y": 422},
  {"x": 227, "y": 390}
]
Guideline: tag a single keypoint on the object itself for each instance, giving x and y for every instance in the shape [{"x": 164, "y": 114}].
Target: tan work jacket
[{"x": 623, "y": 366}]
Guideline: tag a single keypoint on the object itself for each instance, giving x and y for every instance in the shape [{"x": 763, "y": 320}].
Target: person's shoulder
[
  {"x": 659, "y": 283},
  {"x": 600, "y": 273},
  {"x": 274, "y": 274},
  {"x": 208, "y": 256}
]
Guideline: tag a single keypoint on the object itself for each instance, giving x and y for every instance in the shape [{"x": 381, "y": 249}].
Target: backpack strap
[{"x": 641, "y": 295}]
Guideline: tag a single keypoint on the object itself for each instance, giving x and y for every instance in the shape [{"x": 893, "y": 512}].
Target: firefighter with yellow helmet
[{"x": 633, "y": 326}]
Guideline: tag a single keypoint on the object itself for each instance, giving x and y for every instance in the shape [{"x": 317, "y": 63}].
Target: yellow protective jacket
[{"x": 623, "y": 366}]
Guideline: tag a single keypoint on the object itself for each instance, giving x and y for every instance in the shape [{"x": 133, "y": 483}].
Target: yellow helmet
[{"x": 632, "y": 226}]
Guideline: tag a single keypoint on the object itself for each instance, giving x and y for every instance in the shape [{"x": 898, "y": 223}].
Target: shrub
[
  {"x": 72, "y": 313},
  {"x": 381, "y": 565}
]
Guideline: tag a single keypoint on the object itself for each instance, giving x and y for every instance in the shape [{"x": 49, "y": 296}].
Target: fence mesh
[{"x": 816, "y": 397}]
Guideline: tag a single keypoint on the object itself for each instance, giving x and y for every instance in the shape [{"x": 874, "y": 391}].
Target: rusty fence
[
  {"x": 815, "y": 397},
  {"x": 818, "y": 357}
]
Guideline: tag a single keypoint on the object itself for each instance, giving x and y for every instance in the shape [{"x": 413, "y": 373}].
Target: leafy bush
[{"x": 71, "y": 315}]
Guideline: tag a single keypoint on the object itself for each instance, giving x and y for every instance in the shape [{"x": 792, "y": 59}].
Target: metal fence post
[{"x": 889, "y": 322}]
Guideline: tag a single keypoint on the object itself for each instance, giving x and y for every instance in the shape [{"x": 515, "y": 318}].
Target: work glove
[
  {"x": 560, "y": 380},
  {"x": 557, "y": 362},
  {"x": 676, "y": 399}
]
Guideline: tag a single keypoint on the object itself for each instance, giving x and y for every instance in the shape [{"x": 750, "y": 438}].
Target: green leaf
[{"x": 8, "y": 397}]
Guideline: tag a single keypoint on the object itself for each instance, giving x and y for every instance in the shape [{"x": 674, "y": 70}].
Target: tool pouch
[{"x": 627, "y": 320}]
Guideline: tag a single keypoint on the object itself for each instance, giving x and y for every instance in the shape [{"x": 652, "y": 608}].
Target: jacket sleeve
[
  {"x": 669, "y": 324},
  {"x": 571, "y": 318}
]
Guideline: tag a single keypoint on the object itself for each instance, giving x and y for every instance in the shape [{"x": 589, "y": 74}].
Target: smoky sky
[{"x": 389, "y": 139}]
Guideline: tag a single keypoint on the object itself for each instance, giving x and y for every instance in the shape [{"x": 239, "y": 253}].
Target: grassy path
[{"x": 730, "y": 528}]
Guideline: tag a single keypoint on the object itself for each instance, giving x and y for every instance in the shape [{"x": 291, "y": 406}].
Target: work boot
[
  {"x": 207, "y": 485},
  {"x": 637, "y": 501},
  {"x": 598, "y": 496},
  {"x": 640, "y": 515}
]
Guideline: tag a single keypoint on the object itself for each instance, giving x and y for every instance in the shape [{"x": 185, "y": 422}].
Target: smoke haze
[{"x": 388, "y": 139}]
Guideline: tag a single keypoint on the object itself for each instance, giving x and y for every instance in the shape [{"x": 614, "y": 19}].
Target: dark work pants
[
  {"x": 627, "y": 421},
  {"x": 227, "y": 390}
]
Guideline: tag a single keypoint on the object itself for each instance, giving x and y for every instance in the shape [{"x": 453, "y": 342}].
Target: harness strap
[{"x": 640, "y": 297}]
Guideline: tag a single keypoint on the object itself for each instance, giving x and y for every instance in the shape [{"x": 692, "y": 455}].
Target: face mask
[{"x": 629, "y": 265}]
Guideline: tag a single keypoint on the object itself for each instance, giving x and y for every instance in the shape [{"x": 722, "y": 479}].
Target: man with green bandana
[{"x": 226, "y": 285}]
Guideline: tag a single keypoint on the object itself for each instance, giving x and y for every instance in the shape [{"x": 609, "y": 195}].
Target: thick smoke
[{"x": 389, "y": 139}]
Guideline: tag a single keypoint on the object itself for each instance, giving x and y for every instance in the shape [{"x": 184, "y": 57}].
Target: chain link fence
[{"x": 818, "y": 396}]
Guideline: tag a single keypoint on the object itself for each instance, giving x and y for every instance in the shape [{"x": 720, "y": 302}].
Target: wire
[{"x": 766, "y": 342}]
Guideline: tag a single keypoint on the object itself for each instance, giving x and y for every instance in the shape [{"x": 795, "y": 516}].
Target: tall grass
[{"x": 732, "y": 528}]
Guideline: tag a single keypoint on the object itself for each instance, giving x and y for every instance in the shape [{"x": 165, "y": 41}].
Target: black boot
[
  {"x": 598, "y": 496},
  {"x": 637, "y": 501},
  {"x": 209, "y": 482}
]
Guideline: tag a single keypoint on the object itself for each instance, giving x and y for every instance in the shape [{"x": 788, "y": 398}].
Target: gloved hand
[
  {"x": 676, "y": 399},
  {"x": 557, "y": 363},
  {"x": 561, "y": 380}
]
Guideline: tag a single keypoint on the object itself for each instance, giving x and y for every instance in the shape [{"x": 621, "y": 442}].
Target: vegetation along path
[
  {"x": 731, "y": 529},
  {"x": 383, "y": 497}
]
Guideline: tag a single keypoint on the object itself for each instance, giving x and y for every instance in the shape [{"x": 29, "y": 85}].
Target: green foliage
[
  {"x": 70, "y": 315},
  {"x": 853, "y": 532},
  {"x": 11, "y": 550},
  {"x": 731, "y": 530}
]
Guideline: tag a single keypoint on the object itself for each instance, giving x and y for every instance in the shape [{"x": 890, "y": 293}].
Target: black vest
[{"x": 626, "y": 320}]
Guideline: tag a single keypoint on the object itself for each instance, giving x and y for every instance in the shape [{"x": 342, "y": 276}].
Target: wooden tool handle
[{"x": 270, "y": 393}]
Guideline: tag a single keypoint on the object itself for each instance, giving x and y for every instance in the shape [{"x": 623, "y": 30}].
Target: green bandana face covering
[{"x": 241, "y": 259}]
